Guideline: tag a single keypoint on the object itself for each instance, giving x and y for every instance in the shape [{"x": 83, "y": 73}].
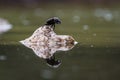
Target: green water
[
  {"x": 84, "y": 63},
  {"x": 96, "y": 57}
]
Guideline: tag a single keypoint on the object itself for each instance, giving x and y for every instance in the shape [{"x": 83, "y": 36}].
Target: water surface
[{"x": 96, "y": 57}]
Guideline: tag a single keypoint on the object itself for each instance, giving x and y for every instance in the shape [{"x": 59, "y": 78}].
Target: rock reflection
[{"x": 45, "y": 42}]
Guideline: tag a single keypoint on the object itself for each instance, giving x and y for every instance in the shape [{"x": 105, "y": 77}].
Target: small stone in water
[
  {"x": 3, "y": 57},
  {"x": 76, "y": 19},
  {"x": 85, "y": 27},
  {"x": 94, "y": 34},
  {"x": 91, "y": 45}
]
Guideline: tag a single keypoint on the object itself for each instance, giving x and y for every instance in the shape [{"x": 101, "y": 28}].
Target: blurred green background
[{"x": 95, "y": 24}]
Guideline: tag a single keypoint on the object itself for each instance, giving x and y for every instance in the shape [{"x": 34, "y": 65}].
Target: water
[
  {"x": 95, "y": 57},
  {"x": 84, "y": 63}
]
